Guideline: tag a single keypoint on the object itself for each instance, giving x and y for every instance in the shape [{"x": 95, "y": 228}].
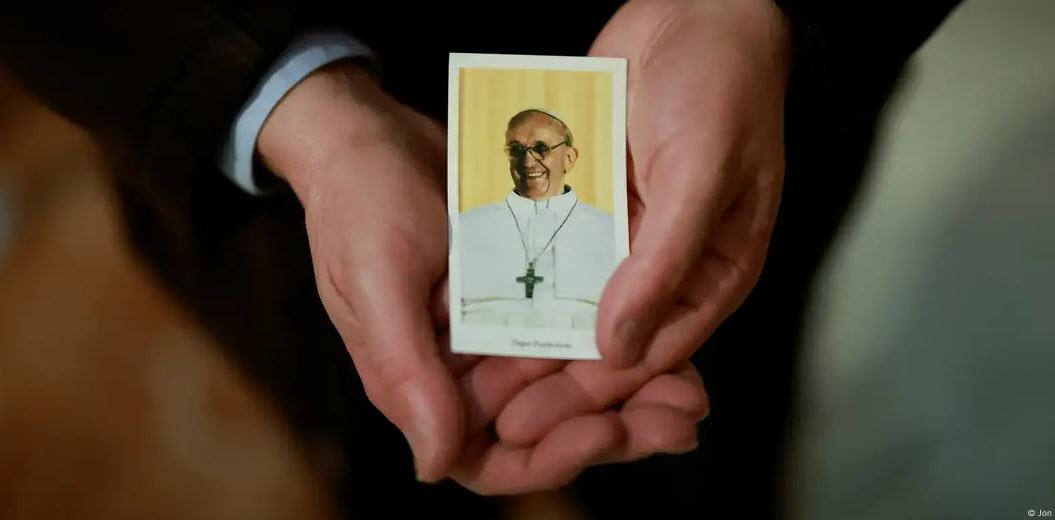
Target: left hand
[
  {"x": 706, "y": 123},
  {"x": 705, "y": 129}
]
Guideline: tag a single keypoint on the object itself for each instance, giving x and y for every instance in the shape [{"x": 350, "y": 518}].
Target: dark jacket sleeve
[
  {"x": 156, "y": 83},
  {"x": 842, "y": 46},
  {"x": 161, "y": 81}
]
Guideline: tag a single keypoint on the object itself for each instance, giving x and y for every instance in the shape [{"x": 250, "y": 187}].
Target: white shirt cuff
[{"x": 303, "y": 57}]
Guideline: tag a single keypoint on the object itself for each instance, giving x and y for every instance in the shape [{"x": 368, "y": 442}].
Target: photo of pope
[{"x": 540, "y": 257}]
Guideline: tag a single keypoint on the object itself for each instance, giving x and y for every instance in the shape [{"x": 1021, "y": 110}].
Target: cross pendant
[{"x": 529, "y": 280}]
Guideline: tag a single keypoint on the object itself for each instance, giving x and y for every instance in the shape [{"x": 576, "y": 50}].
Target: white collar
[{"x": 561, "y": 204}]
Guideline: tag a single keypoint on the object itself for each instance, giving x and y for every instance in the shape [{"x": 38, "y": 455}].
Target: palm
[
  {"x": 555, "y": 418},
  {"x": 704, "y": 140},
  {"x": 383, "y": 286}
]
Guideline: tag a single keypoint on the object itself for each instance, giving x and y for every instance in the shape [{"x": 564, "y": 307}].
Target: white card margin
[{"x": 516, "y": 341}]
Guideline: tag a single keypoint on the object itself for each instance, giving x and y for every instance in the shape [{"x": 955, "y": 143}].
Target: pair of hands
[{"x": 705, "y": 132}]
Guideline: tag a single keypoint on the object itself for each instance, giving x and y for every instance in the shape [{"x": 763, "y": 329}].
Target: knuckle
[
  {"x": 333, "y": 291},
  {"x": 664, "y": 272}
]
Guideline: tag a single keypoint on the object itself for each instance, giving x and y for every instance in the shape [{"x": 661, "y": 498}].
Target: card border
[{"x": 517, "y": 341}]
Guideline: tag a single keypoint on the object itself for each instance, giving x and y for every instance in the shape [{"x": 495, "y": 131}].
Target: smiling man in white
[{"x": 540, "y": 257}]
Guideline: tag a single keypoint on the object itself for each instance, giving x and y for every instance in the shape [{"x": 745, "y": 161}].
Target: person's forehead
[{"x": 536, "y": 127}]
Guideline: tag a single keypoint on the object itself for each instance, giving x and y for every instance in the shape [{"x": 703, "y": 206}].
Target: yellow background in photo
[{"x": 488, "y": 98}]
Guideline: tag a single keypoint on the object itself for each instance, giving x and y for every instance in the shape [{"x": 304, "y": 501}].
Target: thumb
[
  {"x": 399, "y": 363},
  {"x": 680, "y": 208}
]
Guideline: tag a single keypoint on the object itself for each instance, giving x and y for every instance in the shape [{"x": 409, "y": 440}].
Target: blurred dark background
[
  {"x": 927, "y": 381},
  {"x": 928, "y": 387}
]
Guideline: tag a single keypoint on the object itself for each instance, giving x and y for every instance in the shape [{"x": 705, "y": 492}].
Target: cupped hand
[
  {"x": 545, "y": 447},
  {"x": 370, "y": 175},
  {"x": 704, "y": 186}
]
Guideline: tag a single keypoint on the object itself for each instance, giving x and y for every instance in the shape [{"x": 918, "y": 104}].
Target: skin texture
[
  {"x": 705, "y": 120},
  {"x": 536, "y": 177}
]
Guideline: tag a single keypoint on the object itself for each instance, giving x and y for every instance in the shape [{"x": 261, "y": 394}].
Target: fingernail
[{"x": 630, "y": 335}]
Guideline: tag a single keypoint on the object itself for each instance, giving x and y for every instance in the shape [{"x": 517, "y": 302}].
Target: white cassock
[{"x": 500, "y": 240}]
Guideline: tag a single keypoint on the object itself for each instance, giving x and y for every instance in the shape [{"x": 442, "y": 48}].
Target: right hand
[{"x": 369, "y": 173}]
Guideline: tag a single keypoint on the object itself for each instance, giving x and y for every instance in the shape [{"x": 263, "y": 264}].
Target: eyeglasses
[{"x": 539, "y": 151}]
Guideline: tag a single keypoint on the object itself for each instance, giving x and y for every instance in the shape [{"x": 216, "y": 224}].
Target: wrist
[{"x": 329, "y": 111}]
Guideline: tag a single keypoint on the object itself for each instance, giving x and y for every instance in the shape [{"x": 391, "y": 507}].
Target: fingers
[
  {"x": 682, "y": 204},
  {"x": 694, "y": 156},
  {"x": 712, "y": 293},
  {"x": 401, "y": 368},
  {"x": 717, "y": 281},
  {"x": 492, "y": 383},
  {"x": 593, "y": 387},
  {"x": 492, "y": 468},
  {"x": 582, "y": 387},
  {"x": 661, "y": 417},
  {"x": 653, "y": 429},
  {"x": 682, "y": 390},
  {"x": 720, "y": 281}
]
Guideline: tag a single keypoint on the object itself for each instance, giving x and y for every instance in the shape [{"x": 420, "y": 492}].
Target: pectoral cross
[{"x": 529, "y": 280}]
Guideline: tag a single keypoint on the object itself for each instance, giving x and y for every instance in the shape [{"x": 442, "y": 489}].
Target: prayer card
[{"x": 536, "y": 195}]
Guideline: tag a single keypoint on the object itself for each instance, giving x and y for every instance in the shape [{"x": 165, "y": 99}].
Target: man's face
[{"x": 539, "y": 175}]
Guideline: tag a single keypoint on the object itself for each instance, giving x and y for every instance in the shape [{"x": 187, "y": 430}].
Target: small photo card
[{"x": 536, "y": 193}]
